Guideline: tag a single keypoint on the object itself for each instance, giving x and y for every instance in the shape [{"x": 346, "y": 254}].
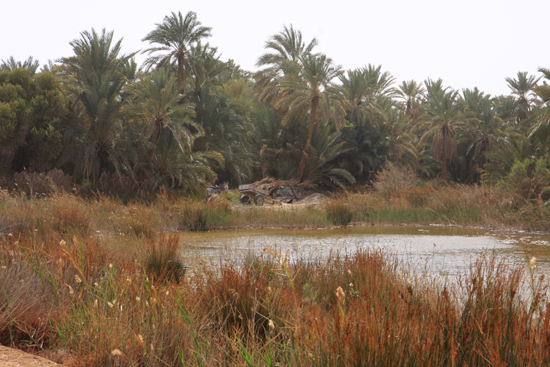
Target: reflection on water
[{"x": 444, "y": 249}]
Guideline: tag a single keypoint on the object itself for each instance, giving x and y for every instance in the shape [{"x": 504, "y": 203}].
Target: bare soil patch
[{"x": 16, "y": 358}]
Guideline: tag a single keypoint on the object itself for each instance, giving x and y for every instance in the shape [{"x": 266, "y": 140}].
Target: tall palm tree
[
  {"x": 174, "y": 37},
  {"x": 360, "y": 89},
  {"x": 287, "y": 49},
  {"x": 410, "y": 92},
  {"x": 310, "y": 89},
  {"x": 523, "y": 88},
  {"x": 440, "y": 119},
  {"x": 484, "y": 130},
  {"x": 94, "y": 76},
  {"x": 288, "y": 46}
]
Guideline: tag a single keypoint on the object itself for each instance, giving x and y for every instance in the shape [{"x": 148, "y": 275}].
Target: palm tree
[
  {"x": 523, "y": 88},
  {"x": 484, "y": 130},
  {"x": 175, "y": 35},
  {"x": 288, "y": 48},
  {"x": 398, "y": 132},
  {"x": 360, "y": 89},
  {"x": 30, "y": 64},
  {"x": 155, "y": 103},
  {"x": 94, "y": 76},
  {"x": 310, "y": 89},
  {"x": 410, "y": 92},
  {"x": 171, "y": 167},
  {"x": 543, "y": 116},
  {"x": 440, "y": 119},
  {"x": 225, "y": 132}
]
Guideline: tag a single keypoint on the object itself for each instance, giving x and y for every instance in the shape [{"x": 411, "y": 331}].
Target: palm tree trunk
[
  {"x": 181, "y": 71},
  {"x": 302, "y": 163},
  {"x": 444, "y": 168}
]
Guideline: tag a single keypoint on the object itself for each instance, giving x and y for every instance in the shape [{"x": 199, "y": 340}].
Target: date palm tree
[
  {"x": 155, "y": 103},
  {"x": 310, "y": 89},
  {"x": 360, "y": 89},
  {"x": 524, "y": 89},
  {"x": 286, "y": 51},
  {"x": 440, "y": 119},
  {"x": 95, "y": 76},
  {"x": 484, "y": 130},
  {"x": 409, "y": 92},
  {"x": 173, "y": 39},
  {"x": 11, "y": 64},
  {"x": 543, "y": 116}
]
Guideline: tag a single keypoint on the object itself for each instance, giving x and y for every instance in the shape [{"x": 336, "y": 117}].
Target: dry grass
[{"x": 358, "y": 309}]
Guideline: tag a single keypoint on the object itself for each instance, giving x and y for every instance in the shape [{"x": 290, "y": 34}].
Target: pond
[{"x": 445, "y": 250}]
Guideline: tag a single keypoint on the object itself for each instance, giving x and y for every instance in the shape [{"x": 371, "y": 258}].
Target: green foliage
[
  {"x": 31, "y": 112},
  {"x": 95, "y": 76},
  {"x": 226, "y": 133},
  {"x": 528, "y": 178}
]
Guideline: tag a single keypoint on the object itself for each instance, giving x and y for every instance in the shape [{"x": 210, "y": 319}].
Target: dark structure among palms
[{"x": 174, "y": 38}]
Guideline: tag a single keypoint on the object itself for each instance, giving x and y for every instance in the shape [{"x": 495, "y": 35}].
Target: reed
[
  {"x": 338, "y": 212},
  {"x": 364, "y": 308}
]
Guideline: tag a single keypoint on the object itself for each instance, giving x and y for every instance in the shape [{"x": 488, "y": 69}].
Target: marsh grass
[
  {"x": 338, "y": 212},
  {"x": 363, "y": 308},
  {"x": 163, "y": 262}
]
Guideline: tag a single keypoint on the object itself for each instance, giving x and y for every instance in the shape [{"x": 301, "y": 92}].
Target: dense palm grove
[{"x": 186, "y": 119}]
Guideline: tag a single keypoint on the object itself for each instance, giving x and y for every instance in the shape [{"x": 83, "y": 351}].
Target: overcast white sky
[{"x": 467, "y": 43}]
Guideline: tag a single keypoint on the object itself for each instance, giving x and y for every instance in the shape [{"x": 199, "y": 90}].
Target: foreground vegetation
[{"x": 79, "y": 303}]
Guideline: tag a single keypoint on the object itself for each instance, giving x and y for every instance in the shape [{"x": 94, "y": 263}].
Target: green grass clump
[{"x": 338, "y": 212}]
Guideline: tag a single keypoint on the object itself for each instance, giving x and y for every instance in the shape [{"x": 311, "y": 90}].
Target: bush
[
  {"x": 529, "y": 179},
  {"x": 395, "y": 178}
]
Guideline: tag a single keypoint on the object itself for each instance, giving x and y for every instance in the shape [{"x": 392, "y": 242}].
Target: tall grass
[{"x": 365, "y": 308}]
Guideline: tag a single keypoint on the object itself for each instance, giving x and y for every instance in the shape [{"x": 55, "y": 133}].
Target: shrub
[
  {"x": 529, "y": 179},
  {"x": 395, "y": 178},
  {"x": 55, "y": 181}
]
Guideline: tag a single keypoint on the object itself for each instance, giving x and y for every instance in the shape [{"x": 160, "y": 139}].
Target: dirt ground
[{"x": 16, "y": 358}]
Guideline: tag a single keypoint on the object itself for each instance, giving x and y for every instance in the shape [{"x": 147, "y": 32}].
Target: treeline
[{"x": 186, "y": 119}]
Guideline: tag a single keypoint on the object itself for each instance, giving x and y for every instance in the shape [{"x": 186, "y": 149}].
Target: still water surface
[{"x": 445, "y": 249}]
